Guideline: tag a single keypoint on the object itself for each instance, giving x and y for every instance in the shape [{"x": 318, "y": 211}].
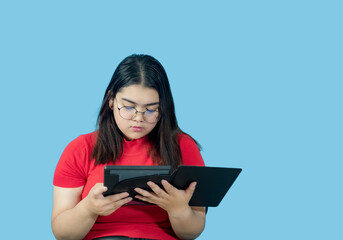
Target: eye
[
  {"x": 128, "y": 108},
  {"x": 150, "y": 112}
]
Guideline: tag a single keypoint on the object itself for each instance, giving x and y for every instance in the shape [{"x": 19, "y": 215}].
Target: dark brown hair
[{"x": 147, "y": 71}]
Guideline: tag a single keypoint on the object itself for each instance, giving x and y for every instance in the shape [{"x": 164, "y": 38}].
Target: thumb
[
  {"x": 191, "y": 188},
  {"x": 98, "y": 190}
]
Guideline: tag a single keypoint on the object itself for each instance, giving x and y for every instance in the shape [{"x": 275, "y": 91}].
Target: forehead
[{"x": 138, "y": 94}]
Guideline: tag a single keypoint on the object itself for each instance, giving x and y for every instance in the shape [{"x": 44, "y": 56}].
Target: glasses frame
[{"x": 135, "y": 114}]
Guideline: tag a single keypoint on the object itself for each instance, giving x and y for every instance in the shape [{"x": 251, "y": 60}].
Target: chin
[{"x": 134, "y": 136}]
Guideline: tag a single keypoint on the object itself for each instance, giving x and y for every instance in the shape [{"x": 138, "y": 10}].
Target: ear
[
  {"x": 111, "y": 99},
  {"x": 110, "y": 103}
]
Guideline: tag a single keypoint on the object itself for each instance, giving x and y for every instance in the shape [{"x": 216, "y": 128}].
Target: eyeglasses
[{"x": 128, "y": 113}]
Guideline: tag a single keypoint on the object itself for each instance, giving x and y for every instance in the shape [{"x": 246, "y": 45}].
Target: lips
[{"x": 136, "y": 128}]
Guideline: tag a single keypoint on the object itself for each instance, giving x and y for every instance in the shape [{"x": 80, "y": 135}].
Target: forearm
[
  {"x": 189, "y": 224},
  {"x": 73, "y": 224}
]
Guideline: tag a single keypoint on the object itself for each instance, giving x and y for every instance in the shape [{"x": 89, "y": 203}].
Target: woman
[{"x": 136, "y": 126}]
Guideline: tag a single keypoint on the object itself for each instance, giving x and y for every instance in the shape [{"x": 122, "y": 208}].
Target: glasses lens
[
  {"x": 127, "y": 112},
  {"x": 150, "y": 116}
]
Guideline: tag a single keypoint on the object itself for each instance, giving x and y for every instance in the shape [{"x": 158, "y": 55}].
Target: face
[{"x": 142, "y": 99}]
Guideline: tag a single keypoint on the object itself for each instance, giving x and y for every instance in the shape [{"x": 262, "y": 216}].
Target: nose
[{"x": 138, "y": 116}]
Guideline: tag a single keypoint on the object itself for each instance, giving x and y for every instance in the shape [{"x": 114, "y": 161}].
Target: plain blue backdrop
[{"x": 257, "y": 83}]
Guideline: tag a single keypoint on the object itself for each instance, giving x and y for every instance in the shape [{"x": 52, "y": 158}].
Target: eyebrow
[{"x": 149, "y": 104}]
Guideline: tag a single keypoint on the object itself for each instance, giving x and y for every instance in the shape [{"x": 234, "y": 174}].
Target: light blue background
[{"x": 257, "y": 83}]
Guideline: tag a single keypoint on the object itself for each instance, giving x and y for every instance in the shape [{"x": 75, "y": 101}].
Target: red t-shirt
[{"x": 76, "y": 168}]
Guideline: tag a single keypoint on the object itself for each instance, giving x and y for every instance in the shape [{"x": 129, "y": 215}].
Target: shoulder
[
  {"x": 80, "y": 148},
  {"x": 186, "y": 141},
  {"x": 74, "y": 163},
  {"x": 190, "y": 150},
  {"x": 88, "y": 138},
  {"x": 83, "y": 141}
]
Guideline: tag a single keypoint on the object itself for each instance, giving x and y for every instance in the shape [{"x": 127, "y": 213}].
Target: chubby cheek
[
  {"x": 148, "y": 128},
  {"x": 121, "y": 123}
]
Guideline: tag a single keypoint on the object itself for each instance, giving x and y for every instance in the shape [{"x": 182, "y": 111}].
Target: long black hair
[{"x": 149, "y": 72}]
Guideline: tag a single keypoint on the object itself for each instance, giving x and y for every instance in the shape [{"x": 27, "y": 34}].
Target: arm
[
  {"x": 72, "y": 218},
  {"x": 187, "y": 222}
]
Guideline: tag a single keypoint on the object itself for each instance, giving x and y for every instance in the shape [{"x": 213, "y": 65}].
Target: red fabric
[{"x": 76, "y": 169}]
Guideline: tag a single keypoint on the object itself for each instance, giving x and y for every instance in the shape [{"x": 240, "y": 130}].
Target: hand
[
  {"x": 173, "y": 200},
  {"x": 97, "y": 204}
]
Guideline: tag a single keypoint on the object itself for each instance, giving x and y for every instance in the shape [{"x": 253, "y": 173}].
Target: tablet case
[
  {"x": 119, "y": 179},
  {"x": 212, "y": 182}
]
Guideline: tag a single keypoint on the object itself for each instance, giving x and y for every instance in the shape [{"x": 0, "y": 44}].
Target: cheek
[
  {"x": 150, "y": 127},
  {"x": 121, "y": 123}
]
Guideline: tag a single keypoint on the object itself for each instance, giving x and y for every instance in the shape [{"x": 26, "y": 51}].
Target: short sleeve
[
  {"x": 71, "y": 170},
  {"x": 190, "y": 151}
]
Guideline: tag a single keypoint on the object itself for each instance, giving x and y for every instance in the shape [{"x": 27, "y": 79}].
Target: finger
[
  {"x": 117, "y": 197},
  {"x": 170, "y": 189},
  {"x": 110, "y": 208},
  {"x": 157, "y": 190},
  {"x": 143, "y": 192},
  {"x": 145, "y": 199},
  {"x": 116, "y": 201},
  {"x": 122, "y": 202},
  {"x": 140, "y": 197},
  {"x": 190, "y": 190}
]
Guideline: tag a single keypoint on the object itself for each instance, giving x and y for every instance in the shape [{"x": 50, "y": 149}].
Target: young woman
[{"x": 136, "y": 126}]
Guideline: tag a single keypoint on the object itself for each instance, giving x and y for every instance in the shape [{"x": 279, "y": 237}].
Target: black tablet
[
  {"x": 119, "y": 179},
  {"x": 212, "y": 182}
]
